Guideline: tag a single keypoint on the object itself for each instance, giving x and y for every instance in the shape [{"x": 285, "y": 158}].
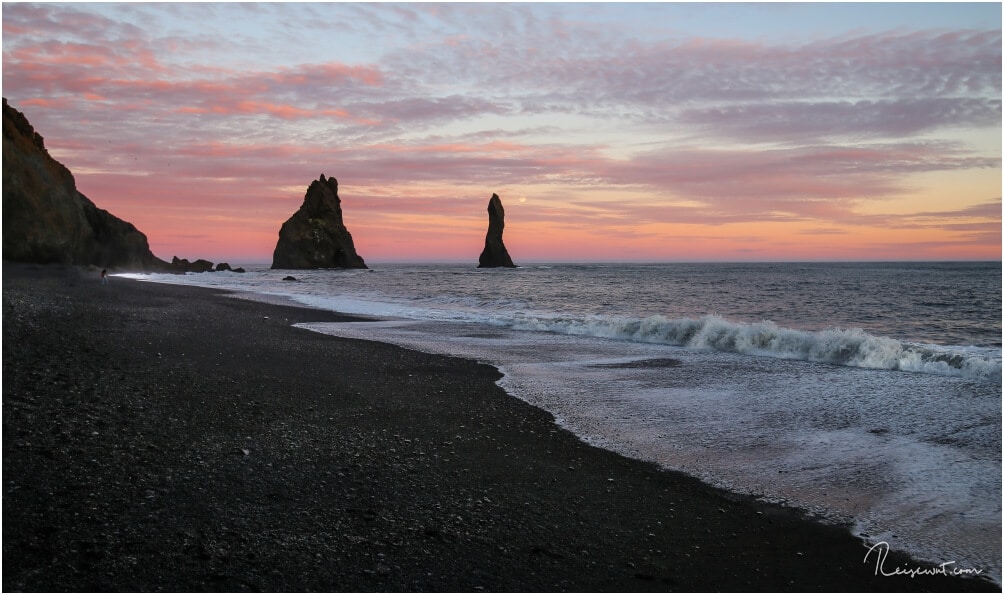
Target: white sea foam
[
  {"x": 795, "y": 393},
  {"x": 851, "y": 445},
  {"x": 846, "y": 347},
  {"x": 354, "y": 292}
]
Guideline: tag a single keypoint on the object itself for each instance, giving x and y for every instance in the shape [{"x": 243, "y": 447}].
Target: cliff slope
[{"x": 46, "y": 220}]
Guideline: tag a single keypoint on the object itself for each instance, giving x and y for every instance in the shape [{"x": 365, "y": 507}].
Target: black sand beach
[{"x": 165, "y": 438}]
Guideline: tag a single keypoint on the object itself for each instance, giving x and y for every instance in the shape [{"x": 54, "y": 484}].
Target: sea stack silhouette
[
  {"x": 315, "y": 236},
  {"x": 495, "y": 255}
]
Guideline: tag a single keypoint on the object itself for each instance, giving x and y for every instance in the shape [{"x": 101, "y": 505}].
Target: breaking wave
[
  {"x": 845, "y": 347},
  {"x": 852, "y": 347}
]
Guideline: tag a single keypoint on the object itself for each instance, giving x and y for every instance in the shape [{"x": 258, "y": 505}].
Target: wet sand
[{"x": 171, "y": 438}]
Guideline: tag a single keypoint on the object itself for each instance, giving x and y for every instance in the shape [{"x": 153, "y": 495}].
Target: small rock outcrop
[
  {"x": 315, "y": 236},
  {"x": 495, "y": 255},
  {"x": 182, "y": 265},
  {"x": 46, "y": 220}
]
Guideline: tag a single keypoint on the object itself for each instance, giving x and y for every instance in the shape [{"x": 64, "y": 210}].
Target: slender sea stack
[
  {"x": 46, "y": 220},
  {"x": 315, "y": 236},
  {"x": 495, "y": 255}
]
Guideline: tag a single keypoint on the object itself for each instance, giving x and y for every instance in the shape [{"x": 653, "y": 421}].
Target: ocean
[{"x": 866, "y": 394}]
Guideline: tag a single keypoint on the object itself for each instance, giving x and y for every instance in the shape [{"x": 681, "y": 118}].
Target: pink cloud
[
  {"x": 896, "y": 83},
  {"x": 47, "y": 103},
  {"x": 825, "y": 172},
  {"x": 782, "y": 185},
  {"x": 813, "y": 121},
  {"x": 51, "y": 21},
  {"x": 331, "y": 73}
]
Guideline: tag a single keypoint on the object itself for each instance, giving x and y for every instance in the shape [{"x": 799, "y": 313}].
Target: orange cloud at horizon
[
  {"x": 439, "y": 238},
  {"x": 237, "y": 220}
]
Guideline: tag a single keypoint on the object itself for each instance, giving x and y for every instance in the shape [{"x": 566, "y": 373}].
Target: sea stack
[
  {"x": 495, "y": 254},
  {"x": 315, "y": 236}
]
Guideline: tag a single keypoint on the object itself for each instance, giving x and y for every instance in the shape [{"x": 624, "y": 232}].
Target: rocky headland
[
  {"x": 315, "y": 237},
  {"x": 47, "y": 220}
]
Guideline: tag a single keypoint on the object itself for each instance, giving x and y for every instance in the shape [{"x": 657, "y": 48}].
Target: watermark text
[{"x": 881, "y": 551}]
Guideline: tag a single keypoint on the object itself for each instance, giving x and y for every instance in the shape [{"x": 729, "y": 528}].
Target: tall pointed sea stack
[
  {"x": 315, "y": 236},
  {"x": 495, "y": 254}
]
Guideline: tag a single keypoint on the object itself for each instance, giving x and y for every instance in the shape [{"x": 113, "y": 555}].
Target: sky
[{"x": 611, "y": 131}]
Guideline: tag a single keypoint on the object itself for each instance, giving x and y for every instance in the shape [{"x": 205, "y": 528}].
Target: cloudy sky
[{"x": 611, "y": 131}]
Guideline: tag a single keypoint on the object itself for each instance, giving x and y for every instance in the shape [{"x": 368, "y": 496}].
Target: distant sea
[{"x": 864, "y": 393}]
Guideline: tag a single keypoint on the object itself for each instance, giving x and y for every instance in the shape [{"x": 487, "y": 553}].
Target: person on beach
[{"x": 104, "y": 276}]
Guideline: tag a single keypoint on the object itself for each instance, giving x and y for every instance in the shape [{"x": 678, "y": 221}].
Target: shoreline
[{"x": 164, "y": 437}]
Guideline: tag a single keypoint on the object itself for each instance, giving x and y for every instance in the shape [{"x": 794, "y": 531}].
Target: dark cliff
[
  {"x": 495, "y": 254},
  {"x": 46, "y": 220},
  {"x": 315, "y": 236}
]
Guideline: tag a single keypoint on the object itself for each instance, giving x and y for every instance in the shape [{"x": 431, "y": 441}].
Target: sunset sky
[{"x": 611, "y": 132}]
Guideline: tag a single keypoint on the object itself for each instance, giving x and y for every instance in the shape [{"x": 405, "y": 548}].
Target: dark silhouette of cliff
[{"x": 46, "y": 220}]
